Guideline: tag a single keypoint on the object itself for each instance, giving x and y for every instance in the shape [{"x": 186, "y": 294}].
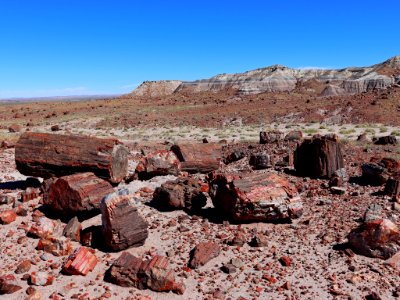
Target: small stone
[
  {"x": 203, "y": 253},
  {"x": 23, "y": 267},
  {"x": 41, "y": 278},
  {"x": 7, "y": 216},
  {"x": 73, "y": 230},
  {"x": 228, "y": 268},
  {"x": 285, "y": 261}
]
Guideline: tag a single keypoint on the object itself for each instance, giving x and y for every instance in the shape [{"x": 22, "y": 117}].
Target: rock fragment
[
  {"x": 154, "y": 274},
  {"x": 158, "y": 163},
  {"x": 203, "y": 253},
  {"x": 81, "y": 262},
  {"x": 8, "y": 216},
  {"x": 73, "y": 230},
  {"x": 8, "y": 284},
  {"x": 41, "y": 278}
]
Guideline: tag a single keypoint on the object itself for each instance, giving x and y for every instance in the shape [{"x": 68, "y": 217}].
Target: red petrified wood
[
  {"x": 154, "y": 274},
  {"x": 77, "y": 193},
  {"x": 198, "y": 158},
  {"x": 47, "y": 155},
  {"x": 81, "y": 262}
]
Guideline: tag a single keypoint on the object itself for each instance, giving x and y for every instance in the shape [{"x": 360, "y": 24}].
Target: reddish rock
[
  {"x": 180, "y": 194},
  {"x": 158, "y": 163},
  {"x": 386, "y": 140},
  {"x": 294, "y": 135},
  {"x": 7, "y": 216},
  {"x": 198, "y": 158},
  {"x": 122, "y": 226},
  {"x": 285, "y": 261},
  {"x": 23, "y": 267},
  {"x": 58, "y": 246},
  {"x": 319, "y": 157},
  {"x": 394, "y": 261},
  {"x": 255, "y": 197},
  {"x": 77, "y": 193},
  {"x": 41, "y": 278},
  {"x": 377, "y": 238},
  {"x": 260, "y": 161},
  {"x": 81, "y": 262},
  {"x": 44, "y": 228},
  {"x": 203, "y": 253},
  {"x": 154, "y": 274},
  {"x": 8, "y": 284},
  {"x": 73, "y": 230}
]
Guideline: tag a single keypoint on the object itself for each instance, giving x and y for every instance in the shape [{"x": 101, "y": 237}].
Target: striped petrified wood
[{"x": 47, "y": 155}]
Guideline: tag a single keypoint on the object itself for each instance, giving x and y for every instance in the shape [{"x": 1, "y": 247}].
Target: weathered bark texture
[
  {"x": 198, "y": 158},
  {"x": 122, "y": 226},
  {"x": 77, "y": 193},
  {"x": 318, "y": 157},
  {"x": 255, "y": 197},
  {"x": 154, "y": 274},
  {"x": 47, "y": 155}
]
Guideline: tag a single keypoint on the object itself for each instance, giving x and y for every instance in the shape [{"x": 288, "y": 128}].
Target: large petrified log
[
  {"x": 319, "y": 157},
  {"x": 198, "y": 158},
  {"x": 255, "y": 197},
  {"x": 77, "y": 193},
  {"x": 122, "y": 226},
  {"x": 47, "y": 155},
  {"x": 154, "y": 274}
]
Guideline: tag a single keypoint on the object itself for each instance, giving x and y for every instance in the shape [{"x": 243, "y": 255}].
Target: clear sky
[{"x": 71, "y": 47}]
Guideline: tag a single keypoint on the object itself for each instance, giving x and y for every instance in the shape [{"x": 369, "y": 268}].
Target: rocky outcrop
[{"x": 156, "y": 88}]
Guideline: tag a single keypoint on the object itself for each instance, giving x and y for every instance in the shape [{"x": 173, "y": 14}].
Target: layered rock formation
[{"x": 278, "y": 78}]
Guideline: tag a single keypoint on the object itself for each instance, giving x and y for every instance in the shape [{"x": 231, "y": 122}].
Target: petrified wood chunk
[
  {"x": 77, "y": 193},
  {"x": 271, "y": 136},
  {"x": 158, "y": 163},
  {"x": 377, "y": 238},
  {"x": 203, "y": 253},
  {"x": 180, "y": 194},
  {"x": 198, "y": 158},
  {"x": 392, "y": 188},
  {"x": 255, "y": 197},
  {"x": 154, "y": 274},
  {"x": 319, "y": 157},
  {"x": 73, "y": 230},
  {"x": 122, "y": 226},
  {"x": 81, "y": 262},
  {"x": 47, "y": 155}
]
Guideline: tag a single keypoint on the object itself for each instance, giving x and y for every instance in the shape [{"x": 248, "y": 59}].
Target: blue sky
[{"x": 70, "y": 47}]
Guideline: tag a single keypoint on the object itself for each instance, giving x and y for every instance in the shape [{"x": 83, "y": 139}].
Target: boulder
[
  {"x": 14, "y": 128},
  {"x": 122, "y": 225},
  {"x": 378, "y": 170},
  {"x": 203, "y": 253},
  {"x": 392, "y": 188},
  {"x": 234, "y": 156},
  {"x": 158, "y": 163},
  {"x": 271, "y": 137},
  {"x": 378, "y": 238},
  {"x": 77, "y": 193},
  {"x": 386, "y": 140},
  {"x": 45, "y": 228},
  {"x": 154, "y": 274},
  {"x": 318, "y": 157},
  {"x": 294, "y": 135},
  {"x": 81, "y": 262},
  {"x": 255, "y": 197},
  {"x": 183, "y": 193},
  {"x": 198, "y": 158}
]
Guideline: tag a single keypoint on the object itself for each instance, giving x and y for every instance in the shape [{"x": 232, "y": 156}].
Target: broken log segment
[
  {"x": 47, "y": 155},
  {"x": 319, "y": 157},
  {"x": 198, "y": 158},
  {"x": 77, "y": 193}
]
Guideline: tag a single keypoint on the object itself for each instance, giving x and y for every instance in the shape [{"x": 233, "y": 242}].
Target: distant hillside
[{"x": 277, "y": 78}]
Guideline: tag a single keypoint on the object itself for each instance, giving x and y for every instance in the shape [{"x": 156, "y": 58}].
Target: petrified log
[
  {"x": 271, "y": 137},
  {"x": 81, "y": 262},
  {"x": 154, "y": 274},
  {"x": 122, "y": 226},
  {"x": 47, "y": 155},
  {"x": 255, "y": 197},
  {"x": 180, "y": 194},
  {"x": 318, "y": 157},
  {"x": 158, "y": 163},
  {"x": 392, "y": 188},
  {"x": 77, "y": 193},
  {"x": 198, "y": 158}
]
